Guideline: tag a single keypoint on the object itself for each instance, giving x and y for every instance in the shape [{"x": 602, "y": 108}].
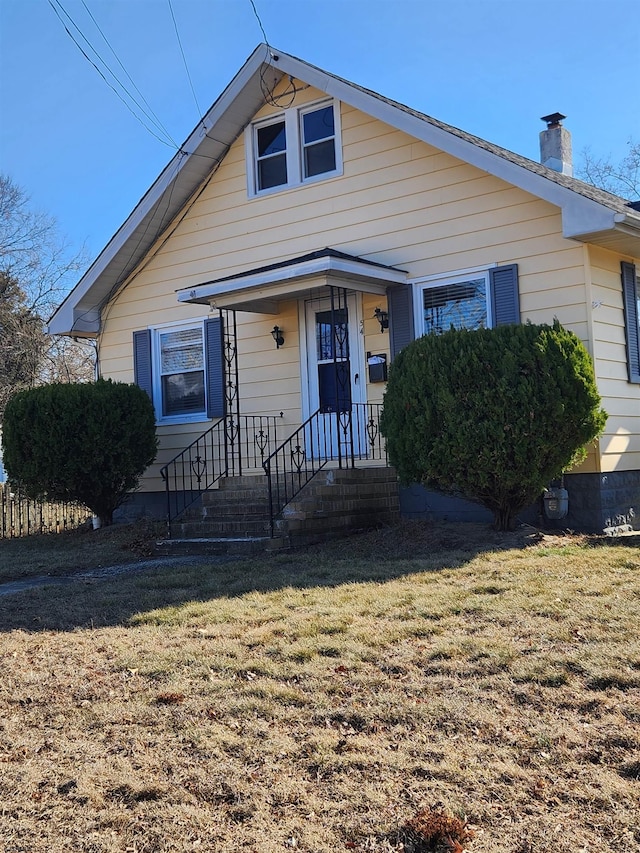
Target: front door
[{"x": 335, "y": 380}]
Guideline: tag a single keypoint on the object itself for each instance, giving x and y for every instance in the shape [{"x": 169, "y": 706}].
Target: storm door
[{"x": 334, "y": 373}]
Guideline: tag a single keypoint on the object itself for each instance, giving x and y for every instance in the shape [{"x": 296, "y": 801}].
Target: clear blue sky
[{"x": 491, "y": 67}]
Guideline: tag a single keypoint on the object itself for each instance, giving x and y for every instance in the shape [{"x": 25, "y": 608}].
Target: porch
[
  {"x": 333, "y": 309},
  {"x": 241, "y": 488}
]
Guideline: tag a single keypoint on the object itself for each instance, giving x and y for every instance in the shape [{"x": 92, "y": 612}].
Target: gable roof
[{"x": 588, "y": 214}]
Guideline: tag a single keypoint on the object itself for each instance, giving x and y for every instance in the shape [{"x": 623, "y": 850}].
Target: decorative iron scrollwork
[
  {"x": 232, "y": 430},
  {"x": 261, "y": 440},
  {"x": 199, "y": 466},
  {"x": 372, "y": 430},
  {"x": 344, "y": 422},
  {"x": 298, "y": 457}
]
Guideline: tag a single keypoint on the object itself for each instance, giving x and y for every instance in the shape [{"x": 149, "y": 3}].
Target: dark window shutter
[
  {"x": 142, "y": 371},
  {"x": 214, "y": 357},
  {"x": 400, "y": 304},
  {"x": 630, "y": 300},
  {"x": 505, "y": 300}
]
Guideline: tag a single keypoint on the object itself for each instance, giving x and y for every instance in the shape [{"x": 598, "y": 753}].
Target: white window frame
[
  {"x": 294, "y": 148},
  {"x": 156, "y": 361},
  {"x": 442, "y": 280}
]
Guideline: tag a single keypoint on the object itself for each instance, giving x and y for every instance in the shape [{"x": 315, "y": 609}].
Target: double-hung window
[
  {"x": 271, "y": 155},
  {"x": 460, "y": 304},
  {"x": 180, "y": 357},
  {"x": 181, "y": 369},
  {"x": 318, "y": 140},
  {"x": 297, "y": 146}
]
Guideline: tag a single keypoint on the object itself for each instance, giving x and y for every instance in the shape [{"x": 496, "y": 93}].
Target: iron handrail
[
  {"x": 230, "y": 446},
  {"x": 324, "y": 437}
]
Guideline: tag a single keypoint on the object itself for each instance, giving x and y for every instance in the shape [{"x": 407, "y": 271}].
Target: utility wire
[
  {"x": 186, "y": 68},
  {"x": 52, "y": 3},
  {"x": 284, "y": 100},
  {"x": 157, "y": 120},
  {"x": 255, "y": 12}
]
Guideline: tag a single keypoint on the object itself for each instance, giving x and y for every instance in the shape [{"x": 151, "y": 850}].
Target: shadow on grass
[{"x": 376, "y": 556}]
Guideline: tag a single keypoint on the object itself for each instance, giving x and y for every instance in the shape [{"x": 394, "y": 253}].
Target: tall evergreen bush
[
  {"x": 86, "y": 442},
  {"x": 493, "y": 415}
]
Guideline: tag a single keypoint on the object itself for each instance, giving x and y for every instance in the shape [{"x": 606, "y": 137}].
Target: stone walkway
[{"x": 15, "y": 587}]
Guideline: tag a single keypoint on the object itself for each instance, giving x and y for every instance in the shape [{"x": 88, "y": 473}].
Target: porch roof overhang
[{"x": 261, "y": 290}]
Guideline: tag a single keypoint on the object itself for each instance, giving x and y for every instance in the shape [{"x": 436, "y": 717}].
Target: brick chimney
[{"x": 555, "y": 145}]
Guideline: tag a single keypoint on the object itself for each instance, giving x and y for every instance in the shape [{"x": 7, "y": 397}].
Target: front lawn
[{"x": 319, "y": 700}]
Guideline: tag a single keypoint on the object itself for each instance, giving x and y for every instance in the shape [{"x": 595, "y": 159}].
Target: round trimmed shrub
[
  {"x": 492, "y": 415},
  {"x": 86, "y": 442}
]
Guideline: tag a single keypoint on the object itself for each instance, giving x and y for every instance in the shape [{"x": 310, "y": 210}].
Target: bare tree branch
[
  {"x": 621, "y": 178},
  {"x": 37, "y": 269}
]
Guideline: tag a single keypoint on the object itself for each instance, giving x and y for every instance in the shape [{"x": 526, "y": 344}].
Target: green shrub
[
  {"x": 85, "y": 442},
  {"x": 493, "y": 415}
]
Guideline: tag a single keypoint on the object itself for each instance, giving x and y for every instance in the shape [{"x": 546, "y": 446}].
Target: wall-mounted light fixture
[
  {"x": 278, "y": 337},
  {"x": 382, "y": 317}
]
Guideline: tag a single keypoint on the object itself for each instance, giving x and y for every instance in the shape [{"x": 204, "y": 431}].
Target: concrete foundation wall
[{"x": 597, "y": 503}]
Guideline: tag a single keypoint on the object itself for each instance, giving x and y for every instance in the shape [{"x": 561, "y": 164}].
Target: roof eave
[
  {"x": 580, "y": 215},
  {"x": 177, "y": 183},
  {"x": 623, "y": 237}
]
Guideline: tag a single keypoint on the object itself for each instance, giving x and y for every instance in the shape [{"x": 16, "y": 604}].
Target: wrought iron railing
[
  {"x": 233, "y": 444},
  {"x": 341, "y": 437}
]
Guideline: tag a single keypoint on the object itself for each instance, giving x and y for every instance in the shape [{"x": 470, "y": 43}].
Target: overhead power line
[
  {"x": 157, "y": 122},
  {"x": 286, "y": 98},
  {"x": 58, "y": 8},
  {"x": 184, "y": 59},
  {"x": 255, "y": 12}
]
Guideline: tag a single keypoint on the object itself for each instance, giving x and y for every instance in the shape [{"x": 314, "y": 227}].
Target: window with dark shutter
[
  {"x": 182, "y": 370},
  {"x": 472, "y": 300}
]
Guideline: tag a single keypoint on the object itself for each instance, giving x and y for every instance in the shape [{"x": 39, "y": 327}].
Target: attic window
[
  {"x": 296, "y": 147},
  {"x": 271, "y": 155},
  {"x": 318, "y": 142}
]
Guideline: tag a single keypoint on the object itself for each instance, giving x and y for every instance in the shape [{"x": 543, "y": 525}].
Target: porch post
[{"x": 231, "y": 392}]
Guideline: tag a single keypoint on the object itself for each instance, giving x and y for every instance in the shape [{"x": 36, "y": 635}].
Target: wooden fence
[{"x": 20, "y": 516}]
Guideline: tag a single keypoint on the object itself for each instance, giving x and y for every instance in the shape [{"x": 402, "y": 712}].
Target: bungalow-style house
[{"x": 306, "y": 231}]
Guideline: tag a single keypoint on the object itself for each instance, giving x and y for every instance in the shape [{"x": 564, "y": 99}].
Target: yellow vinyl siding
[
  {"x": 620, "y": 445},
  {"x": 398, "y": 202},
  {"x": 375, "y": 341}
]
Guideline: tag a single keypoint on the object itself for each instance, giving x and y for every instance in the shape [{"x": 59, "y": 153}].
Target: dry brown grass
[
  {"x": 58, "y": 554},
  {"x": 354, "y": 697}
]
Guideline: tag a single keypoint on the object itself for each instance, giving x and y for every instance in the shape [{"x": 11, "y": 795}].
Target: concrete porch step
[
  {"x": 211, "y": 526},
  {"x": 234, "y": 518},
  {"x": 216, "y": 546}
]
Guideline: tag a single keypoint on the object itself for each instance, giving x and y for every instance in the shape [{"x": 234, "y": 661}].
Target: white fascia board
[
  {"x": 75, "y": 321},
  {"x": 88, "y": 288},
  {"x": 205, "y": 293}
]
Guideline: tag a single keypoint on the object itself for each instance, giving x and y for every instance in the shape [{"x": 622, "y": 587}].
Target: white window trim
[
  {"x": 196, "y": 417},
  {"x": 294, "y": 154},
  {"x": 441, "y": 280}
]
